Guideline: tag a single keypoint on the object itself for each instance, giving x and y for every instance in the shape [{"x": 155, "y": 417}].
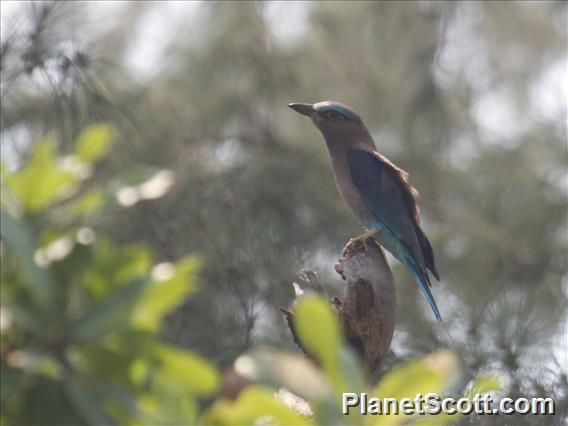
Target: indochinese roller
[{"x": 375, "y": 189}]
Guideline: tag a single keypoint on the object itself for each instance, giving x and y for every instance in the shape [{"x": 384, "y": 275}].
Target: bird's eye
[{"x": 332, "y": 115}]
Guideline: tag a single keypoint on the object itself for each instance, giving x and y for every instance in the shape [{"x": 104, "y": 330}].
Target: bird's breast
[{"x": 349, "y": 192}]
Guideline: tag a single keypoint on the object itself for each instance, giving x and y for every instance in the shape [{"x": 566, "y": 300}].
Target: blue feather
[
  {"x": 424, "y": 284},
  {"x": 385, "y": 197},
  {"x": 346, "y": 112}
]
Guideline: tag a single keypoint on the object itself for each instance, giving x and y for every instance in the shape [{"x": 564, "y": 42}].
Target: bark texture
[{"x": 367, "y": 307}]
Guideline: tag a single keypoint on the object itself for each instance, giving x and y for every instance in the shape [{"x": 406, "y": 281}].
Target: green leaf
[
  {"x": 254, "y": 405},
  {"x": 483, "y": 384},
  {"x": 94, "y": 142},
  {"x": 121, "y": 404},
  {"x": 318, "y": 328},
  {"x": 163, "y": 295},
  {"x": 38, "y": 363},
  {"x": 429, "y": 374},
  {"x": 23, "y": 316},
  {"x": 185, "y": 371},
  {"x": 50, "y": 402},
  {"x": 85, "y": 404},
  {"x": 164, "y": 406},
  {"x": 280, "y": 369},
  {"x": 40, "y": 182},
  {"x": 89, "y": 203},
  {"x": 319, "y": 331},
  {"x": 12, "y": 383},
  {"x": 351, "y": 369},
  {"x": 113, "y": 266},
  {"x": 422, "y": 375},
  {"x": 110, "y": 314},
  {"x": 37, "y": 281}
]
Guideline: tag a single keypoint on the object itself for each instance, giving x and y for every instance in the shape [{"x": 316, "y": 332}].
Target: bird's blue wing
[
  {"x": 388, "y": 195},
  {"x": 379, "y": 183},
  {"x": 391, "y": 199}
]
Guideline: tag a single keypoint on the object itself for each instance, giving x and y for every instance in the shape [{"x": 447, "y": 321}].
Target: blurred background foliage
[
  {"x": 80, "y": 314},
  {"x": 470, "y": 98}
]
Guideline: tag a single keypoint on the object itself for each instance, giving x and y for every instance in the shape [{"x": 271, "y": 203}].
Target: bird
[{"x": 377, "y": 191}]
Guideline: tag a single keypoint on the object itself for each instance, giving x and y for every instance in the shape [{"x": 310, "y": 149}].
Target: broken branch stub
[{"x": 367, "y": 307}]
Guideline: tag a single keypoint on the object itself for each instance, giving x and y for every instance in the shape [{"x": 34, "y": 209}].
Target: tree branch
[{"x": 367, "y": 307}]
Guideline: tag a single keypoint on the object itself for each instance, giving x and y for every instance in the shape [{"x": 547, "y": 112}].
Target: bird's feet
[{"x": 362, "y": 239}]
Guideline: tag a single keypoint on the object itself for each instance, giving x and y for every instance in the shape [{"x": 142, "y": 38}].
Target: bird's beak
[{"x": 304, "y": 109}]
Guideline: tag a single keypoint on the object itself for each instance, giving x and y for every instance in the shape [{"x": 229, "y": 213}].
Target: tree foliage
[{"x": 82, "y": 316}]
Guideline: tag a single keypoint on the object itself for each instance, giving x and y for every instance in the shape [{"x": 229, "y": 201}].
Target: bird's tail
[{"x": 423, "y": 281}]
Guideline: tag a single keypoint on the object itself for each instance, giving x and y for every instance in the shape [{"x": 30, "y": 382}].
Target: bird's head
[{"x": 335, "y": 121}]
